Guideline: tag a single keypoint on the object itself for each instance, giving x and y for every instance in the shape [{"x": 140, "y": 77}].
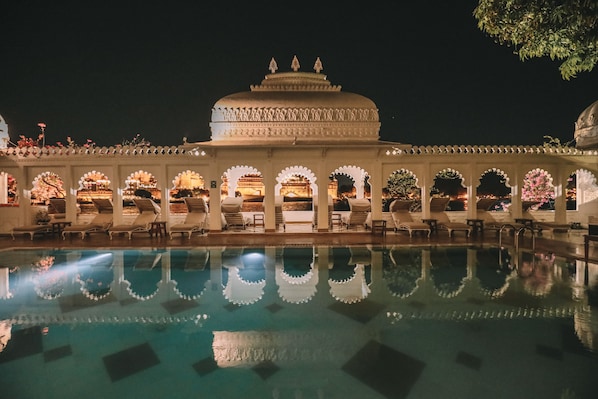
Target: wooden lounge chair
[
  {"x": 31, "y": 229},
  {"x": 359, "y": 213},
  {"x": 438, "y": 212},
  {"x": 231, "y": 210},
  {"x": 148, "y": 213},
  {"x": 401, "y": 217},
  {"x": 195, "y": 221},
  {"x": 99, "y": 224}
]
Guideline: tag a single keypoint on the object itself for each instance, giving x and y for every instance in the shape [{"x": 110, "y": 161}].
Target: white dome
[
  {"x": 586, "y": 128},
  {"x": 294, "y": 107}
]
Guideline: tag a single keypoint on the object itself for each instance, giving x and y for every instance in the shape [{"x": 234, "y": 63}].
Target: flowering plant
[{"x": 42, "y": 217}]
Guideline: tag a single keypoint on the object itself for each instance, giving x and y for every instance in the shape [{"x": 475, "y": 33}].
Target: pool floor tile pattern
[
  {"x": 205, "y": 366},
  {"x": 130, "y": 361},
  {"x": 468, "y": 360},
  {"x": 57, "y": 353},
  {"x": 385, "y": 370},
  {"x": 266, "y": 369}
]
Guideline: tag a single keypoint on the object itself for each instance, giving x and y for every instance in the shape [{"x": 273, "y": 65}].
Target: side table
[
  {"x": 433, "y": 223},
  {"x": 58, "y": 226},
  {"x": 157, "y": 229}
]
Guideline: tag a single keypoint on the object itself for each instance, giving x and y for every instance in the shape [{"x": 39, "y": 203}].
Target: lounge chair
[
  {"x": 57, "y": 208},
  {"x": 195, "y": 221},
  {"x": 148, "y": 213},
  {"x": 231, "y": 210},
  {"x": 31, "y": 229},
  {"x": 99, "y": 224},
  {"x": 539, "y": 225},
  {"x": 359, "y": 213},
  {"x": 401, "y": 217},
  {"x": 438, "y": 212}
]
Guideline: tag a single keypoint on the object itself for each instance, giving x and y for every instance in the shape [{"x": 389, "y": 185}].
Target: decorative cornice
[{"x": 271, "y": 114}]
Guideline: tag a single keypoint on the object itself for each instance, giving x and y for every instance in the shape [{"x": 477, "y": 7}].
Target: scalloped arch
[
  {"x": 296, "y": 171},
  {"x": 408, "y": 171},
  {"x": 193, "y": 174},
  {"x": 499, "y": 172},
  {"x": 234, "y": 173},
  {"x": 92, "y": 175}
]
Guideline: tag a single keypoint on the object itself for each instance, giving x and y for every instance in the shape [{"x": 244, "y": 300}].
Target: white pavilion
[{"x": 295, "y": 129}]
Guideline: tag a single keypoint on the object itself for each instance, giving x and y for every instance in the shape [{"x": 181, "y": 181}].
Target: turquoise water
[{"x": 296, "y": 322}]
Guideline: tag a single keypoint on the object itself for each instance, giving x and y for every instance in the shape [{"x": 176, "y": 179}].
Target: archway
[{"x": 449, "y": 183}]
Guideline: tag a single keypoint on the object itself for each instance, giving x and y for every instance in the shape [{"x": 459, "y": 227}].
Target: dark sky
[{"x": 108, "y": 71}]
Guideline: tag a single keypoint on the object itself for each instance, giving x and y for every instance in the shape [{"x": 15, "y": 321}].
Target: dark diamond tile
[
  {"x": 25, "y": 342},
  {"x": 362, "y": 312},
  {"x": 130, "y": 361},
  {"x": 205, "y": 366},
  {"x": 549, "y": 351},
  {"x": 231, "y": 307},
  {"x": 57, "y": 353},
  {"x": 178, "y": 305},
  {"x": 70, "y": 303},
  {"x": 273, "y": 308},
  {"x": 385, "y": 370},
  {"x": 469, "y": 360},
  {"x": 265, "y": 369}
]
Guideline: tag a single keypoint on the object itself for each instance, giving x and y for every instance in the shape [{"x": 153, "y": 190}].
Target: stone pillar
[
  {"x": 214, "y": 186},
  {"x": 426, "y": 182},
  {"x": 560, "y": 200},
  {"x": 269, "y": 199},
  {"x": 117, "y": 197},
  {"x": 376, "y": 190}
]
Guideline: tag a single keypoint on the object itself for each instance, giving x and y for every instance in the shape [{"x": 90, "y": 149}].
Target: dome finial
[
  {"x": 295, "y": 64},
  {"x": 318, "y": 65},
  {"x": 273, "y": 67}
]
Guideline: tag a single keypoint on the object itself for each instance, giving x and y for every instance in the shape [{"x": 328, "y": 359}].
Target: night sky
[{"x": 109, "y": 71}]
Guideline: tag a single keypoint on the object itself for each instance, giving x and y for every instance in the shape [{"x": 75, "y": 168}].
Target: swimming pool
[{"x": 296, "y": 322}]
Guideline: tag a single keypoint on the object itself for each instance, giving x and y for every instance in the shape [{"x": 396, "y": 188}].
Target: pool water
[{"x": 297, "y": 322}]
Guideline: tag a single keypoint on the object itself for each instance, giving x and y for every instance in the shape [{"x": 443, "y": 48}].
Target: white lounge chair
[
  {"x": 231, "y": 210},
  {"x": 195, "y": 221},
  {"x": 401, "y": 217},
  {"x": 359, "y": 214},
  {"x": 99, "y": 224},
  {"x": 148, "y": 213},
  {"x": 438, "y": 212}
]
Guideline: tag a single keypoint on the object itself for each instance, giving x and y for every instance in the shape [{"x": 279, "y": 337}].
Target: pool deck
[{"x": 569, "y": 245}]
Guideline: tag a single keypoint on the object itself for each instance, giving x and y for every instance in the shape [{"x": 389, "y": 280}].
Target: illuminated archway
[
  {"x": 47, "y": 185},
  {"x": 402, "y": 184},
  {"x": 538, "y": 187},
  {"x": 140, "y": 184},
  {"x": 494, "y": 183},
  {"x": 9, "y": 194},
  {"x": 449, "y": 183},
  {"x": 92, "y": 185},
  {"x": 186, "y": 184}
]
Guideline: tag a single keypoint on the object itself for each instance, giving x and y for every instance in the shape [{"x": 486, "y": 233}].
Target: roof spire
[
  {"x": 273, "y": 67},
  {"x": 295, "y": 64},
  {"x": 318, "y": 65}
]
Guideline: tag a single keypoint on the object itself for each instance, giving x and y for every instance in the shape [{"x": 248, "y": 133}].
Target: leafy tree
[{"x": 561, "y": 29}]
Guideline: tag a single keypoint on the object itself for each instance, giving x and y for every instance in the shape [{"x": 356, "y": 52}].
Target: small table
[
  {"x": 258, "y": 220},
  {"x": 477, "y": 225},
  {"x": 433, "y": 223},
  {"x": 157, "y": 228},
  {"x": 379, "y": 227},
  {"x": 58, "y": 226}
]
